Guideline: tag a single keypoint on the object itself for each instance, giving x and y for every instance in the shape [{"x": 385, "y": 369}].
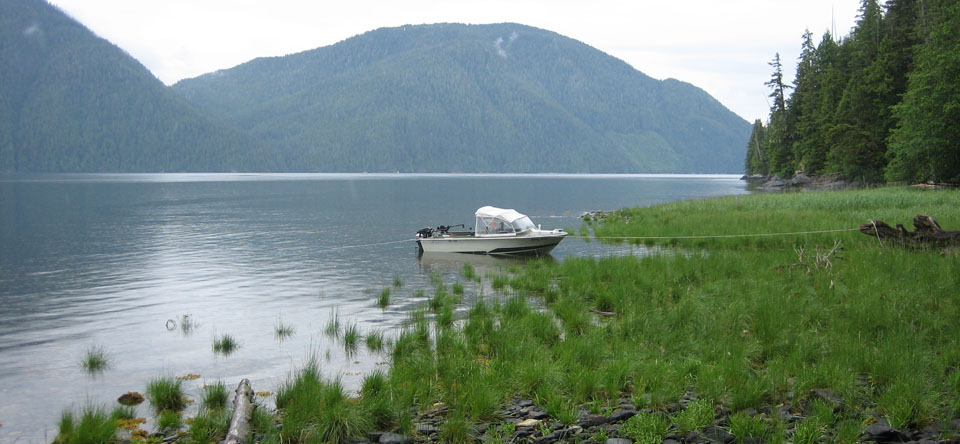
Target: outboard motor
[{"x": 424, "y": 233}]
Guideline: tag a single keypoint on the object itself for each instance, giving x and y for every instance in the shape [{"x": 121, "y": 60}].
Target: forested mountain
[
  {"x": 882, "y": 104},
  {"x": 471, "y": 98},
  {"x": 71, "y": 101}
]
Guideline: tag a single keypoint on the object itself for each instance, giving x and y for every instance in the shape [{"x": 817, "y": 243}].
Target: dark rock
[
  {"x": 395, "y": 438},
  {"x": 524, "y": 403},
  {"x": 718, "y": 435},
  {"x": 750, "y": 411},
  {"x": 130, "y": 399},
  {"x": 357, "y": 441},
  {"x": 955, "y": 424},
  {"x": 537, "y": 414},
  {"x": 670, "y": 441},
  {"x": 374, "y": 436},
  {"x": 592, "y": 420},
  {"x": 622, "y": 415},
  {"x": 830, "y": 396},
  {"x": 617, "y": 441},
  {"x": 880, "y": 431},
  {"x": 784, "y": 413},
  {"x": 695, "y": 438}
]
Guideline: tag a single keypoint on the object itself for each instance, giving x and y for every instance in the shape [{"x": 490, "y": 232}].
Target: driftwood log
[
  {"x": 927, "y": 232},
  {"x": 243, "y": 406}
]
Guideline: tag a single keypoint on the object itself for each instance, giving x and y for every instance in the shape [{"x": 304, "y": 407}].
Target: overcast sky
[{"x": 722, "y": 46}]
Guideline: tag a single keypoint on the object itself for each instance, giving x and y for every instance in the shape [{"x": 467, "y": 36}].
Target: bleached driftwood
[{"x": 243, "y": 407}]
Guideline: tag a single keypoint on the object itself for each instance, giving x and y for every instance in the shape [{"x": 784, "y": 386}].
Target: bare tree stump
[
  {"x": 243, "y": 407},
  {"x": 927, "y": 232}
]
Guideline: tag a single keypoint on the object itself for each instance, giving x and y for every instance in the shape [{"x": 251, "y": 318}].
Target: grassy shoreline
[{"x": 715, "y": 332}]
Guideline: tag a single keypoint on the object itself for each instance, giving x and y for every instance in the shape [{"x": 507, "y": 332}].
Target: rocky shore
[
  {"x": 801, "y": 181},
  {"x": 523, "y": 421}
]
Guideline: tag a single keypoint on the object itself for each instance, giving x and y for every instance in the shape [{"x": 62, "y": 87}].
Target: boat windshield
[
  {"x": 496, "y": 225},
  {"x": 523, "y": 224}
]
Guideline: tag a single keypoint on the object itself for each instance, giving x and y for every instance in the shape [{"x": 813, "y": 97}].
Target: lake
[{"x": 118, "y": 261}]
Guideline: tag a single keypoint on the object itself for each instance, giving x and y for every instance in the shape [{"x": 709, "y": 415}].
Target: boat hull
[{"x": 537, "y": 244}]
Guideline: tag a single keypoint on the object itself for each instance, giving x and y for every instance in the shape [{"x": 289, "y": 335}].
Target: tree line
[{"x": 880, "y": 105}]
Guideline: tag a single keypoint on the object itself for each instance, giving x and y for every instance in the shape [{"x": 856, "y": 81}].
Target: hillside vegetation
[{"x": 487, "y": 98}]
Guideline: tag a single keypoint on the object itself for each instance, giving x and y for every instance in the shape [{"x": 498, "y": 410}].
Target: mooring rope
[
  {"x": 375, "y": 244},
  {"x": 717, "y": 236},
  {"x": 708, "y": 236}
]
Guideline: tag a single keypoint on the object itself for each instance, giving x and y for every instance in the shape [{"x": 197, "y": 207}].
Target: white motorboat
[{"x": 497, "y": 231}]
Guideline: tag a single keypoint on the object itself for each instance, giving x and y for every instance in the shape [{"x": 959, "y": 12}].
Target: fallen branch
[
  {"x": 927, "y": 232},
  {"x": 243, "y": 407}
]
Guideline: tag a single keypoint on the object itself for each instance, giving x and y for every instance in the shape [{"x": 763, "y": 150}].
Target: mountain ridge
[{"x": 477, "y": 85}]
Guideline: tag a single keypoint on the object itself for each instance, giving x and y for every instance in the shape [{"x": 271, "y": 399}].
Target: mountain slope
[
  {"x": 71, "y": 101},
  {"x": 482, "y": 98}
]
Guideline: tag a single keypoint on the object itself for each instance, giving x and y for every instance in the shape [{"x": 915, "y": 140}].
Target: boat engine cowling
[{"x": 424, "y": 233}]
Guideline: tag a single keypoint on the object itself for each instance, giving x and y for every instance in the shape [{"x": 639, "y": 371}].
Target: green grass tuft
[
  {"x": 95, "y": 360},
  {"x": 94, "y": 426},
  {"x": 166, "y": 394},
  {"x": 225, "y": 345},
  {"x": 384, "y": 299},
  {"x": 214, "y": 396},
  {"x": 282, "y": 331}
]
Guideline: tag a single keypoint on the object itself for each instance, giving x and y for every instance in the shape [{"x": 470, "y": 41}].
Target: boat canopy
[{"x": 493, "y": 220}]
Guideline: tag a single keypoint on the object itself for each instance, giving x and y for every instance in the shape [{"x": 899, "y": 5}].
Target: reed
[
  {"x": 318, "y": 410},
  {"x": 225, "y": 345},
  {"x": 374, "y": 341},
  {"x": 209, "y": 426},
  {"x": 95, "y": 360},
  {"x": 384, "y": 299},
  {"x": 351, "y": 338},
  {"x": 282, "y": 331},
  {"x": 166, "y": 393},
  {"x": 169, "y": 422},
  {"x": 93, "y": 426},
  {"x": 214, "y": 396}
]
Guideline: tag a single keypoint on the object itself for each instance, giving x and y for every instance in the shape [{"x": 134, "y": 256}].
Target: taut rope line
[
  {"x": 717, "y": 236},
  {"x": 711, "y": 236}
]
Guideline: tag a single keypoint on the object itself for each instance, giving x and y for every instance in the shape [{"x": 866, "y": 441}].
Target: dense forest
[
  {"x": 881, "y": 105},
  {"x": 472, "y": 98}
]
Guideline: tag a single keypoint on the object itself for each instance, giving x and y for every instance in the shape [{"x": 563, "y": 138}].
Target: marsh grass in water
[
  {"x": 95, "y": 360},
  {"x": 374, "y": 341},
  {"x": 225, "y": 345},
  {"x": 282, "y": 331},
  {"x": 214, "y": 396},
  {"x": 333, "y": 325},
  {"x": 351, "y": 338},
  {"x": 384, "y": 299},
  {"x": 166, "y": 393}
]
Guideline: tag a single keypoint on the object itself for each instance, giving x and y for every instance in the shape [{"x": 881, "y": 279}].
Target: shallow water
[{"x": 117, "y": 261}]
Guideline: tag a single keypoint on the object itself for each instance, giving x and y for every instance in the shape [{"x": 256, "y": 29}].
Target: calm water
[{"x": 108, "y": 260}]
